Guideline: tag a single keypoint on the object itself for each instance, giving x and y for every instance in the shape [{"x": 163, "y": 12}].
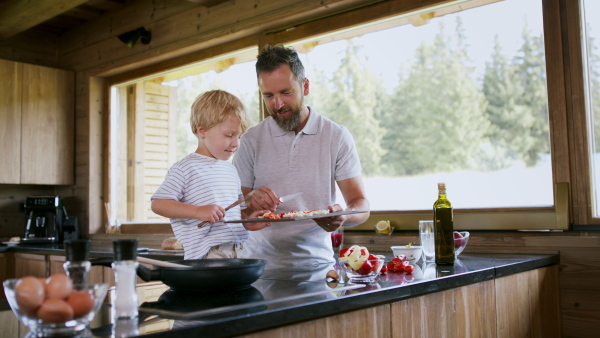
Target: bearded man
[{"x": 296, "y": 149}]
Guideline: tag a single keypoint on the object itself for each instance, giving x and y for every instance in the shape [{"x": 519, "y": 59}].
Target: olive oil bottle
[{"x": 444, "y": 228}]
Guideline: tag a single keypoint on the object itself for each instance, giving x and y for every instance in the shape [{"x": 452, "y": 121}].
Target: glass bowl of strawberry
[
  {"x": 460, "y": 241},
  {"x": 359, "y": 265}
]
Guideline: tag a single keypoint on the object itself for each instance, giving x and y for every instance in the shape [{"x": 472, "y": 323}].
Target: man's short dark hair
[{"x": 272, "y": 57}]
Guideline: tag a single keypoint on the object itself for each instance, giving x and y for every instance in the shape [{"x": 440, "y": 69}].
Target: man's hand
[
  {"x": 331, "y": 223},
  {"x": 255, "y": 226},
  {"x": 263, "y": 199}
]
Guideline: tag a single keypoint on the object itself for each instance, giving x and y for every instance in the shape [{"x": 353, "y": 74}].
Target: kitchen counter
[
  {"x": 97, "y": 250},
  {"x": 281, "y": 298}
]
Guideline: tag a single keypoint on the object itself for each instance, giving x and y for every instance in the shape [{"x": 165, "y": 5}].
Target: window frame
[{"x": 570, "y": 162}]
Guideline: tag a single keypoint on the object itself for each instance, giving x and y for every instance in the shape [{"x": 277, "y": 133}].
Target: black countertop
[
  {"x": 281, "y": 298},
  {"x": 97, "y": 250}
]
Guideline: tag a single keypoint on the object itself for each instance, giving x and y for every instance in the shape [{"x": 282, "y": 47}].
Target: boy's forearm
[{"x": 173, "y": 209}]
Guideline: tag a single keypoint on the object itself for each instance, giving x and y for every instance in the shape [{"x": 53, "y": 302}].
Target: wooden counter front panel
[
  {"x": 520, "y": 305},
  {"x": 462, "y": 312},
  {"x": 528, "y": 304},
  {"x": 371, "y": 322}
]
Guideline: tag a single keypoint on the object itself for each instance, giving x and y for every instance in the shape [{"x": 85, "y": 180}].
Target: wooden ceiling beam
[{"x": 17, "y": 16}]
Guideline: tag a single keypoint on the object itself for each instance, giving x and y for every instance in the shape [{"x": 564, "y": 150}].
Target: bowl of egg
[{"x": 52, "y": 306}]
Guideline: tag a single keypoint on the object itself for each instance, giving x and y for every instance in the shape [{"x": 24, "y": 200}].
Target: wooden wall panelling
[
  {"x": 91, "y": 108},
  {"x": 18, "y": 16},
  {"x": 35, "y": 46},
  {"x": 10, "y": 121},
  {"x": 190, "y": 30}
]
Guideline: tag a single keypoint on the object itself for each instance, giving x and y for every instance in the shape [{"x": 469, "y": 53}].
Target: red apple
[{"x": 458, "y": 240}]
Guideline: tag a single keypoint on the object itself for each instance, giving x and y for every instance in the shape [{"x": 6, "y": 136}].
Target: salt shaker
[
  {"x": 125, "y": 266},
  {"x": 78, "y": 265}
]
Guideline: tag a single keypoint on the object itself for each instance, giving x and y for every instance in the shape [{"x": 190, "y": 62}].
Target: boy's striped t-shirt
[{"x": 202, "y": 180}]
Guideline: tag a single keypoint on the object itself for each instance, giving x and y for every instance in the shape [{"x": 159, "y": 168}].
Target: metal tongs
[{"x": 242, "y": 199}]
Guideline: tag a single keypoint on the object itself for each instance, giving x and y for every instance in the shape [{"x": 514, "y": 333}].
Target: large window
[
  {"x": 456, "y": 94},
  {"x": 459, "y": 98}
]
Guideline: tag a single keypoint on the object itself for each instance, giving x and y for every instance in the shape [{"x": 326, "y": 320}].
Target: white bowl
[{"x": 413, "y": 253}]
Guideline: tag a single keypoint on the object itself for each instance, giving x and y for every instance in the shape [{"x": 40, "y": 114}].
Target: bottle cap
[
  {"x": 125, "y": 249},
  {"x": 77, "y": 250}
]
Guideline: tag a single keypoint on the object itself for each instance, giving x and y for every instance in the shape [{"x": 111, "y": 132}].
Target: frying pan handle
[
  {"x": 142, "y": 271},
  {"x": 148, "y": 274}
]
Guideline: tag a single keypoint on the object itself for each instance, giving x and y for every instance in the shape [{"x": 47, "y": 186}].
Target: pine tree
[
  {"x": 436, "y": 112},
  {"x": 351, "y": 99},
  {"x": 509, "y": 134},
  {"x": 531, "y": 69}
]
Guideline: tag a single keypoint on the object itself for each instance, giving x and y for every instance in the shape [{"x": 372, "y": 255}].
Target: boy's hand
[
  {"x": 210, "y": 213},
  {"x": 255, "y": 226}
]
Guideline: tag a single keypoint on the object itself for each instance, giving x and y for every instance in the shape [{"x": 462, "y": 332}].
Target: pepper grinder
[
  {"x": 78, "y": 265},
  {"x": 125, "y": 266}
]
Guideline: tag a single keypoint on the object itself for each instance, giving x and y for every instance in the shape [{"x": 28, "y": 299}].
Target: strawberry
[
  {"x": 409, "y": 268},
  {"x": 366, "y": 268},
  {"x": 345, "y": 252}
]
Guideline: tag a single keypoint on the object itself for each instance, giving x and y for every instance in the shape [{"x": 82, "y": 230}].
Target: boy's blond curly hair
[{"x": 213, "y": 107}]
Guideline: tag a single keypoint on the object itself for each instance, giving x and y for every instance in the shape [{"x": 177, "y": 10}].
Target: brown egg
[
  {"x": 54, "y": 310},
  {"x": 58, "y": 286},
  {"x": 81, "y": 302},
  {"x": 29, "y": 294}
]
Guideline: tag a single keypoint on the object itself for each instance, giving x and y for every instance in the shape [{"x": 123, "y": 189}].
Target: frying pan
[{"x": 203, "y": 275}]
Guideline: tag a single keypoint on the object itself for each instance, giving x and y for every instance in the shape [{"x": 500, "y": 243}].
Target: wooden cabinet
[
  {"x": 37, "y": 119},
  {"x": 30, "y": 265}
]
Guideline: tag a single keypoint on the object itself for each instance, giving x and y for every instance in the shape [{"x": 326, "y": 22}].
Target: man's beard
[{"x": 290, "y": 123}]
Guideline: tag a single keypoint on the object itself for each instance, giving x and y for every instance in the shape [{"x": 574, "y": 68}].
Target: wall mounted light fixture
[{"x": 130, "y": 38}]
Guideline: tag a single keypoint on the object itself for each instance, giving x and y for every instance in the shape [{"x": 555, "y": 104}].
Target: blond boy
[{"x": 198, "y": 187}]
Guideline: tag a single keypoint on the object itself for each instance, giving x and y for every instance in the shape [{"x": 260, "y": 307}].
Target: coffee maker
[{"x": 44, "y": 219}]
